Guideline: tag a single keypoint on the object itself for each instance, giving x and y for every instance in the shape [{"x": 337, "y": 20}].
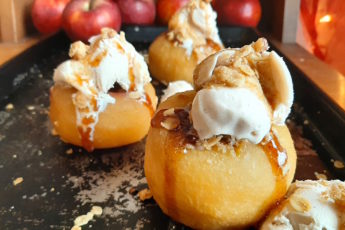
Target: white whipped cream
[
  {"x": 232, "y": 111},
  {"x": 176, "y": 87},
  {"x": 194, "y": 24},
  {"x": 267, "y": 99},
  {"x": 310, "y": 205},
  {"x": 110, "y": 59}
]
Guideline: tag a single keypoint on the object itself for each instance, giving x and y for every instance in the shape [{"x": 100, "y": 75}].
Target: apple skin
[
  {"x": 167, "y": 8},
  {"x": 47, "y": 15},
  {"x": 238, "y": 12},
  {"x": 82, "y": 20},
  {"x": 137, "y": 12}
]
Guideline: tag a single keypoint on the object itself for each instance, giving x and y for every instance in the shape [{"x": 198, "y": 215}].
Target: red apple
[
  {"x": 238, "y": 12},
  {"x": 47, "y": 15},
  {"x": 167, "y": 8},
  {"x": 85, "y": 18},
  {"x": 137, "y": 12}
]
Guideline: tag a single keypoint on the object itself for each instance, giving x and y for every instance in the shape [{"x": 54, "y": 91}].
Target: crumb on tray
[
  {"x": 320, "y": 176},
  {"x": 18, "y": 181},
  {"x": 9, "y": 106},
  {"x": 69, "y": 151},
  {"x": 338, "y": 164},
  {"x": 30, "y": 107},
  {"x": 84, "y": 219},
  {"x": 145, "y": 194}
]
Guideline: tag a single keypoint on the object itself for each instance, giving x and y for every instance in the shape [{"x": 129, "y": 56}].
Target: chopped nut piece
[
  {"x": 300, "y": 204},
  {"x": 18, "y": 181},
  {"x": 109, "y": 33},
  {"x": 170, "y": 35},
  {"x": 83, "y": 219},
  {"x": 96, "y": 210},
  {"x": 132, "y": 191},
  {"x": 78, "y": 50},
  {"x": 76, "y": 228},
  {"x": 209, "y": 143},
  {"x": 320, "y": 176},
  {"x": 54, "y": 132},
  {"x": 338, "y": 164},
  {"x": 9, "y": 106},
  {"x": 69, "y": 151},
  {"x": 169, "y": 112},
  {"x": 145, "y": 194},
  {"x": 30, "y": 107},
  {"x": 134, "y": 95},
  {"x": 170, "y": 123}
]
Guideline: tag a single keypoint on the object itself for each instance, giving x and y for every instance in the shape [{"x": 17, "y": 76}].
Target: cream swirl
[
  {"x": 241, "y": 92},
  {"x": 94, "y": 70},
  {"x": 194, "y": 25},
  {"x": 314, "y": 205}
]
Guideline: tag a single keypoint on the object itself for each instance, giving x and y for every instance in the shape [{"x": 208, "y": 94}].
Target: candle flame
[{"x": 325, "y": 19}]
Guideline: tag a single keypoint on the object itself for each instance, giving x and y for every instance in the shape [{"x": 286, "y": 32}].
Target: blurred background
[{"x": 319, "y": 27}]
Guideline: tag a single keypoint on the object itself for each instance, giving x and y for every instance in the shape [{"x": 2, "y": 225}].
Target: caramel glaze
[
  {"x": 86, "y": 141},
  {"x": 184, "y": 134},
  {"x": 132, "y": 87},
  {"x": 340, "y": 207},
  {"x": 272, "y": 150},
  {"x": 177, "y": 139},
  {"x": 215, "y": 46},
  {"x": 98, "y": 59}
]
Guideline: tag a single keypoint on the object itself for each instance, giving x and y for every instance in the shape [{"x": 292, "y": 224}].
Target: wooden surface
[
  {"x": 324, "y": 76},
  {"x": 15, "y": 20},
  {"x": 10, "y": 50}
]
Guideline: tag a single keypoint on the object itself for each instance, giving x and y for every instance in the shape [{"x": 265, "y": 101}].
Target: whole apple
[
  {"x": 167, "y": 8},
  {"x": 238, "y": 12},
  {"x": 137, "y": 12},
  {"x": 47, "y": 15},
  {"x": 84, "y": 18}
]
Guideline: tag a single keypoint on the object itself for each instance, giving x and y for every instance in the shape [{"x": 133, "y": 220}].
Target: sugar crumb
[
  {"x": 76, "y": 228},
  {"x": 30, "y": 107},
  {"x": 53, "y": 132},
  {"x": 9, "y": 106},
  {"x": 18, "y": 181},
  {"x": 84, "y": 219},
  {"x": 338, "y": 164},
  {"x": 320, "y": 176},
  {"x": 145, "y": 194},
  {"x": 69, "y": 151},
  {"x": 133, "y": 191},
  {"x": 96, "y": 210}
]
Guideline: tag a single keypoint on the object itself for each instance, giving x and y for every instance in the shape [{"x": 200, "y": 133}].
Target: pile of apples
[{"x": 81, "y": 19}]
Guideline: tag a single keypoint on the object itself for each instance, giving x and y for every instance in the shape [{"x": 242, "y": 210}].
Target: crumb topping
[{"x": 194, "y": 28}]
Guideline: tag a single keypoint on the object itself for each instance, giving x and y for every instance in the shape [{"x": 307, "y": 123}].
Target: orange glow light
[{"x": 325, "y": 19}]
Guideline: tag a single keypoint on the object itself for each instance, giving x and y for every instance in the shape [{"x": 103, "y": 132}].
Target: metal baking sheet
[{"x": 58, "y": 186}]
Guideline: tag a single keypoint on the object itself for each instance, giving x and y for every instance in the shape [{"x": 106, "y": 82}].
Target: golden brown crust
[
  {"x": 125, "y": 122},
  {"x": 207, "y": 189},
  {"x": 170, "y": 62}
]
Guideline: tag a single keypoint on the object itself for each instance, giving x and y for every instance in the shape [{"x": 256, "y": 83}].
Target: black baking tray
[{"x": 58, "y": 187}]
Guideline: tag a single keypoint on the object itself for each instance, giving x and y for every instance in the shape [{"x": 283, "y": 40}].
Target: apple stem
[{"x": 92, "y": 4}]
